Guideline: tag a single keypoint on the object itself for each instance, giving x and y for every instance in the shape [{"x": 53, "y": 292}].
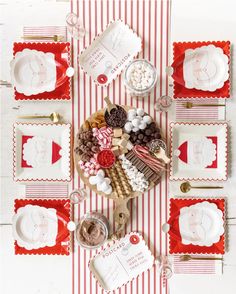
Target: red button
[
  {"x": 134, "y": 239},
  {"x": 102, "y": 79}
]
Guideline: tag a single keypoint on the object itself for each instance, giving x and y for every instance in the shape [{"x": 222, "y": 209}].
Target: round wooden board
[{"x": 121, "y": 203}]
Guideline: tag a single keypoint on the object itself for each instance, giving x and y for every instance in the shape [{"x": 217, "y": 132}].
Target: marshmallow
[
  {"x": 136, "y": 178},
  {"x": 102, "y": 183},
  {"x": 141, "y": 75}
]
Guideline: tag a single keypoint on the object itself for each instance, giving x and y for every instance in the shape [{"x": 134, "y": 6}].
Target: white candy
[
  {"x": 108, "y": 191},
  {"x": 136, "y": 122},
  {"x": 140, "y": 111},
  {"x": 131, "y": 116},
  {"x": 132, "y": 111},
  {"x": 135, "y": 129},
  {"x": 147, "y": 119},
  {"x": 128, "y": 127},
  {"x": 136, "y": 118},
  {"x": 102, "y": 183},
  {"x": 142, "y": 126}
]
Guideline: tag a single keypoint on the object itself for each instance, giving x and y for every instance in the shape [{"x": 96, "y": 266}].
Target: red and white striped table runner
[
  {"x": 150, "y": 19},
  {"x": 197, "y": 266},
  {"x": 198, "y": 112}
]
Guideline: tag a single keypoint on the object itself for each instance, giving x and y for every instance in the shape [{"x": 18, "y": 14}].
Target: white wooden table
[{"x": 190, "y": 20}]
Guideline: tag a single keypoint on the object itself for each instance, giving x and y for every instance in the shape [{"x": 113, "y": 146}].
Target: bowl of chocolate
[
  {"x": 116, "y": 118},
  {"x": 92, "y": 230}
]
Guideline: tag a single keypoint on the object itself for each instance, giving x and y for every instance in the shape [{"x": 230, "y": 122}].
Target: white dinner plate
[
  {"x": 35, "y": 227},
  {"x": 205, "y": 68},
  {"x": 201, "y": 224},
  {"x": 33, "y": 72}
]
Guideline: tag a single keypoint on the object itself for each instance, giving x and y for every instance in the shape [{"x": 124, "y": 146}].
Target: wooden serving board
[{"x": 121, "y": 213}]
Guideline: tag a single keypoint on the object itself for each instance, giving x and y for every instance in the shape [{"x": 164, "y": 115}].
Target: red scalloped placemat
[
  {"x": 175, "y": 244},
  {"x": 62, "y": 92},
  {"x": 180, "y": 91},
  {"x": 62, "y": 207}
]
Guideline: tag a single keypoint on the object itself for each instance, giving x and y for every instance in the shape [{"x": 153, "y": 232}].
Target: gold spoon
[
  {"x": 54, "y": 117},
  {"x": 186, "y": 187},
  {"x": 191, "y": 105},
  {"x": 55, "y": 38},
  {"x": 189, "y": 257}
]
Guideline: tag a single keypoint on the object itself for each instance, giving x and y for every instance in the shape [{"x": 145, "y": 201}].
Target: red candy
[{"x": 106, "y": 158}]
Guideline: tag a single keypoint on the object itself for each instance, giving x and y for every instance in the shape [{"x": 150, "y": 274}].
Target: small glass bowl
[
  {"x": 140, "y": 92},
  {"x": 93, "y": 217}
]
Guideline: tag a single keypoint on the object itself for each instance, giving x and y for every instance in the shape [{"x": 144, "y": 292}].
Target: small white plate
[
  {"x": 35, "y": 227},
  {"x": 205, "y": 68},
  {"x": 201, "y": 224},
  {"x": 33, "y": 72},
  {"x": 110, "y": 53},
  {"x": 45, "y": 155},
  {"x": 198, "y": 151}
]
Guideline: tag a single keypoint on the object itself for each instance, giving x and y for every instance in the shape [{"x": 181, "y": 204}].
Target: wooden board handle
[{"x": 121, "y": 217}]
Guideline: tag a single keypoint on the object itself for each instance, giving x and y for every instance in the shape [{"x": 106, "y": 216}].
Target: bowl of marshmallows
[{"x": 140, "y": 77}]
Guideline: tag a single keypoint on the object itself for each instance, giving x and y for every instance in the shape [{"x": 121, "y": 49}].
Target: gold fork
[
  {"x": 191, "y": 105},
  {"x": 55, "y": 38},
  {"x": 189, "y": 257}
]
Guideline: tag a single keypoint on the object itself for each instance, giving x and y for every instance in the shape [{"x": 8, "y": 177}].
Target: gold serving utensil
[
  {"x": 110, "y": 105},
  {"x": 55, "y": 38},
  {"x": 186, "y": 187},
  {"x": 189, "y": 105},
  {"x": 54, "y": 117},
  {"x": 189, "y": 257}
]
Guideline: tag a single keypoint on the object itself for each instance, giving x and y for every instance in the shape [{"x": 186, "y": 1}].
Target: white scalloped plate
[
  {"x": 198, "y": 151},
  {"x": 205, "y": 68},
  {"x": 57, "y": 171},
  {"x": 201, "y": 224},
  {"x": 110, "y": 53},
  {"x": 35, "y": 227},
  {"x": 33, "y": 72}
]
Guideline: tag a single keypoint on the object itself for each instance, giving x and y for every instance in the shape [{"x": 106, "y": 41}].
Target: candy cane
[{"x": 143, "y": 154}]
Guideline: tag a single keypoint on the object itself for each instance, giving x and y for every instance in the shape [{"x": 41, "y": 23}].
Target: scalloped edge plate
[
  {"x": 213, "y": 215},
  {"x": 18, "y": 233},
  {"x": 60, "y": 134},
  {"x": 219, "y": 68},
  {"x": 181, "y": 132}
]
